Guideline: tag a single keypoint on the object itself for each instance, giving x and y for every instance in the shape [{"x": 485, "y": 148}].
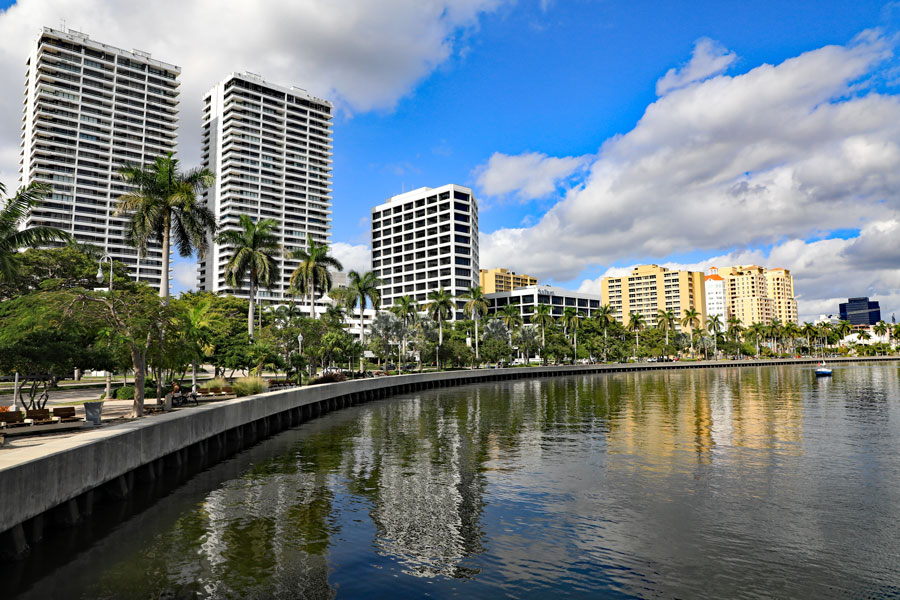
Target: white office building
[
  {"x": 271, "y": 149},
  {"x": 558, "y": 299},
  {"x": 89, "y": 109},
  {"x": 425, "y": 240},
  {"x": 716, "y": 295}
]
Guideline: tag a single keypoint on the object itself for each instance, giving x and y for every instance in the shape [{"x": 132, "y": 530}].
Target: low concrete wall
[{"x": 37, "y": 479}]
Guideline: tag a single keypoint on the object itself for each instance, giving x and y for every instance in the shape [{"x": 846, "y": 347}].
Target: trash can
[{"x": 92, "y": 412}]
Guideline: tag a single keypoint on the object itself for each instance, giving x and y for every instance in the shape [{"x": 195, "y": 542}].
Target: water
[{"x": 727, "y": 483}]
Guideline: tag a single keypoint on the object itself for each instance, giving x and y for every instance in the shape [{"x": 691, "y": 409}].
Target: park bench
[
  {"x": 12, "y": 419},
  {"x": 40, "y": 416},
  {"x": 66, "y": 414}
]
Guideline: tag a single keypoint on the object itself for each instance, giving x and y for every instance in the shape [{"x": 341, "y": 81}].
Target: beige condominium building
[
  {"x": 758, "y": 295},
  {"x": 649, "y": 289},
  {"x": 502, "y": 280}
]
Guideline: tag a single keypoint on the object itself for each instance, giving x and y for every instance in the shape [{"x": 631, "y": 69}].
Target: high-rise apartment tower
[
  {"x": 270, "y": 147},
  {"x": 425, "y": 240},
  {"x": 89, "y": 109},
  {"x": 649, "y": 289}
]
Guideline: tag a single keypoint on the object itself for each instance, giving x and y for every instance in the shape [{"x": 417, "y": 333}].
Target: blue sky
[{"x": 490, "y": 93}]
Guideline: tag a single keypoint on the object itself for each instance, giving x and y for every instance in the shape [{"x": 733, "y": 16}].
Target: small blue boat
[{"x": 823, "y": 371}]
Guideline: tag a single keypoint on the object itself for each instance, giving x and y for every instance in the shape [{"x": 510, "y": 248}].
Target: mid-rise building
[
  {"x": 502, "y": 280},
  {"x": 425, "y": 240},
  {"x": 271, "y": 149},
  {"x": 527, "y": 298},
  {"x": 716, "y": 295},
  {"x": 758, "y": 295},
  {"x": 649, "y": 289},
  {"x": 91, "y": 108},
  {"x": 860, "y": 311}
]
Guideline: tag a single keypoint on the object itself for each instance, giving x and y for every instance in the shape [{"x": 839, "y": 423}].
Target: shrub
[
  {"x": 124, "y": 393},
  {"x": 333, "y": 377},
  {"x": 247, "y": 386},
  {"x": 218, "y": 382}
]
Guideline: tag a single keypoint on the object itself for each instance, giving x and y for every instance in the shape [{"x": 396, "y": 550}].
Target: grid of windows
[{"x": 89, "y": 109}]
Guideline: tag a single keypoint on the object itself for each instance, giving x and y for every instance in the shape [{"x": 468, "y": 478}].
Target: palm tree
[
  {"x": 255, "y": 247},
  {"x": 808, "y": 330},
  {"x": 691, "y": 321},
  {"x": 665, "y": 320},
  {"x": 335, "y": 313},
  {"x": 363, "y": 287},
  {"x": 510, "y": 316},
  {"x": 543, "y": 319},
  {"x": 757, "y": 330},
  {"x": 791, "y": 332},
  {"x": 734, "y": 328},
  {"x": 475, "y": 306},
  {"x": 604, "y": 317},
  {"x": 14, "y": 237},
  {"x": 313, "y": 274},
  {"x": 880, "y": 328},
  {"x": 406, "y": 309},
  {"x": 527, "y": 337},
  {"x": 824, "y": 330},
  {"x": 196, "y": 325},
  {"x": 774, "y": 331},
  {"x": 843, "y": 329},
  {"x": 635, "y": 324},
  {"x": 571, "y": 319},
  {"x": 164, "y": 202},
  {"x": 440, "y": 308},
  {"x": 714, "y": 326}
]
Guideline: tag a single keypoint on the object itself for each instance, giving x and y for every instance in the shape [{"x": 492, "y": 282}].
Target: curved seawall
[{"x": 58, "y": 484}]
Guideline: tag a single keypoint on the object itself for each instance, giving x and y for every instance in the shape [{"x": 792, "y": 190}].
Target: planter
[{"x": 92, "y": 412}]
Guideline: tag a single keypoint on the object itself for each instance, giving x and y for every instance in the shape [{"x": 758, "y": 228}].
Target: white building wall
[
  {"x": 716, "y": 299},
  {"x": 89, "y": 109}
]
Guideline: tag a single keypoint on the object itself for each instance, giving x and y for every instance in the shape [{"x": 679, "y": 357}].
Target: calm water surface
[{"x": 728, "y": 483}]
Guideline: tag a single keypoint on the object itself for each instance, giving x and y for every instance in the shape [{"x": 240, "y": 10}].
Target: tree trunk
[
  {"x": 138, "y": 360},
  {"x": 250, "y": 315},
  {"x": 164, "y": 283},
  {"x": 194, "y": 376},
  {"x": 477, "y": 356},
  {"x": 362, "y": 336},
  {"x": 108, "y": 385}
]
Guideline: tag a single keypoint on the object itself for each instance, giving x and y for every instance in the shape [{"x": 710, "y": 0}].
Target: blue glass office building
[{"x": 860, "y": 311}]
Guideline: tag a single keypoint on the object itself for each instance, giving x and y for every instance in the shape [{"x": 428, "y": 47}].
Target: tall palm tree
[
  {"x": 691, "y": 321},
  {"x": 255, "y": 246},
  {"x": 604, "y": 317},
  {"x": 808, "y": 329},
  {"x": 363, "y": 287},
  {"x": 164, "y": 203},
  {"x": 14, "y": 237},
  {"x": 791, "y": 332},
  {"x": 635, "y": 324},
  {"x": 313, "y": 273},
  {"x": 665, "y": 320},
  {"x": 774, "y": 331},
  {"x": 571, "y": 320},
  {"x": 476, "y": 306},
  {"x": 440, "y": 308},
  {"x": 880, "y": 328},
  {"x": 825, "y": 330},
  {"x": 543, "y": 319},
  {"x": 757, "y": 331},
  {"x": 734, "y": 328},
  {"x": 510, "y": 316},
  {"x": 406, "y": 309},
  {"x": 714, "y": 326},
  {"x": 843, "y": 329}
]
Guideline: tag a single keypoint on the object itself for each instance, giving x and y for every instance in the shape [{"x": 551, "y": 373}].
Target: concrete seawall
[{"x": 57, "y": 484}]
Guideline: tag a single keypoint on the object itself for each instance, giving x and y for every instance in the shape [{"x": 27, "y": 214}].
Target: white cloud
[
  {"x": 363, "y": 55},
  {"x": 780, "y": 152},
  {"x": 708, "y": 58},
  {"x": 353, "y": 257},
  {"x": 185, "y": 275},
  {"x": 529, "y": 176}
]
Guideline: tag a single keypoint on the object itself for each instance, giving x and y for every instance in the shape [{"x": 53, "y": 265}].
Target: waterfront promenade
[{"x": 64, "y": 477}]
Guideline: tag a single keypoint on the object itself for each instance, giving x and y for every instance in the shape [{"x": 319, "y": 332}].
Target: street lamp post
[
  {"x": 300, "y": 352},
  {"x": 100, "y": 279}
]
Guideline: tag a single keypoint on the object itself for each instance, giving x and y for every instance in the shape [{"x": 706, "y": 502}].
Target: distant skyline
[{"x": 596, "y": 135}]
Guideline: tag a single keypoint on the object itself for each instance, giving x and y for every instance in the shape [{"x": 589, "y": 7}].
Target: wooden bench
[
  {"x": 12, "y": 419},
  {"x": 40, "y": 416},
  {"x": 66, "y": 414}
]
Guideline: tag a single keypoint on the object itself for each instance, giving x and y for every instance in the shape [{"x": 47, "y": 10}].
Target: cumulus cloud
[
  {"x": 787, "y": 151},
  {"x": 362, "y": 55},
  {"x": 708, "y": 58},
  {"x": 354, "y": 257},
  {"x": 527, "y": 176},
  {"x": 185, "y": 275},
  {"x": 826, "y": 272}
]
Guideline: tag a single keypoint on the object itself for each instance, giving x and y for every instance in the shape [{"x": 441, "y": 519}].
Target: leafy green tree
[
  {"x": 14, "y": 236},
  {"x": 756, "y": 331},
  {"x": 571, "y": 321},
  {"x": 714, "y": 326},
  {"x": 604, "y": 317},
  {"x": 196, "y": 324},
  {"x": 313, "y": 274},
  {"x": 407, "y": 311},
  {"x": 527, "y": 338},
  {"x": 362, "y": 288},
  {"x": 665, "y": 321},
  {"x": 510, "y": 316},
  {"x": 255, "y": 246},
  {"x": 691, "y": 321},
  {"x": 440, "y": 309},
  {"x": 164, "y": 204},
  {"x": 542, "y": 318},
  {"x": 386, "y": 329},
  {"x": 476, "y": 306},
  {"x": 635, "y": 324}
]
